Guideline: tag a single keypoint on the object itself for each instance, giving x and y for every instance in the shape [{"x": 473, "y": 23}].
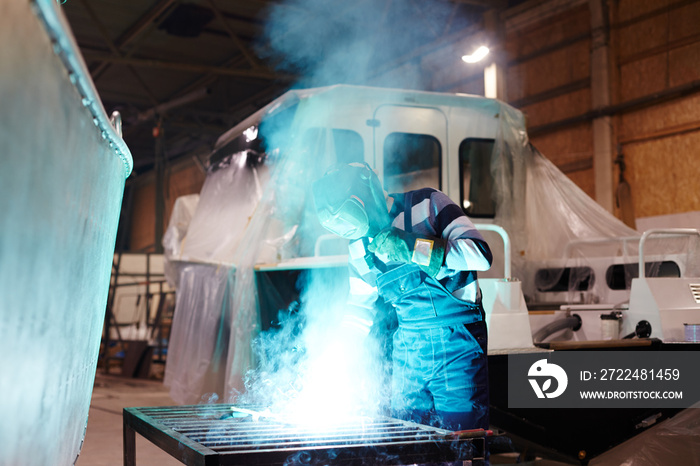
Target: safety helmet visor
[{"x": 349, "y": 220}]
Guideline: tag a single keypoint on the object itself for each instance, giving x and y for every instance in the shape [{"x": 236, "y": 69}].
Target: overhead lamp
[
  {"x": 251, "y": 134},
  {"x": 477, "y": 55}
]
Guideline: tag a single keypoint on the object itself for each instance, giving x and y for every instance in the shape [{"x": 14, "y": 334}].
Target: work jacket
[{"x": 422, "y": 301}]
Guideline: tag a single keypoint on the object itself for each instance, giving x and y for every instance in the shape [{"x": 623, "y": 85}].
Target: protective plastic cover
[
  {"x": 246, "y": 218},
  {"x": 673, "y": 441},
  {"x": 61, "y": 186},
  {"x": 199, "y": 337},
  {"x": 176, "y": 234}
]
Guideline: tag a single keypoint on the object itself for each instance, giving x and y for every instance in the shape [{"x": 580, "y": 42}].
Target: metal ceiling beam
[
  {"x": 143, "y": 23},
  {"x": 267, "y": 95},
  {"x": 124, "y": 98},
  {"x": 189, "y": 67},
  {"x": 208, "y": 78},
  {"x": 108, "y": 40},
  {"x": 163, "y": 108},
  {"x": 215, "y": 130},
  {"x": 208, "y": 114},
  {"x": 427, "y": 48},
  {"x": 136, "y": 29},
  {"x": 487, "y": 4},
  {"x": 421, "y": 16},
  {"x": 448, "y": 23},
  {"x": 250, "y": 58}
]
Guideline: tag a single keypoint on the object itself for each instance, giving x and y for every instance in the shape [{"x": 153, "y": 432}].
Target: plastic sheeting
[
  {"x": 61, "y": 185},
  {"x": 540, "y": 207},
  {"x": 230, "y": 194},
  {"x": 245, "y": 215},
  {"x": 175, "y": 235},
  {"x": 209, "y": 313},
  {"x": 198, "y": 347},
  {"x": 564, "y": 239}
]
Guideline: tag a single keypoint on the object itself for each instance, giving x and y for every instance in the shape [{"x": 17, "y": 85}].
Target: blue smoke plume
[{"x": 337, "y": 42}]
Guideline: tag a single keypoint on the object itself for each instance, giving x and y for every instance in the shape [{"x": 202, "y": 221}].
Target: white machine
[
  {"x": 506, "y": 311},
  {"x": 666, "y": 306},
  {"x": 670, "y": 305}
]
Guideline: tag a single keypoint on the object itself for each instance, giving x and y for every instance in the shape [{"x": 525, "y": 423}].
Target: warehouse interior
[
  {"x": 140, "y": 212},
  {"x": 637, "y": 89}
]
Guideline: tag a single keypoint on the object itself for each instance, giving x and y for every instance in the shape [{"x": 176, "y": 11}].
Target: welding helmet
[{"x": 350, "y": 201}]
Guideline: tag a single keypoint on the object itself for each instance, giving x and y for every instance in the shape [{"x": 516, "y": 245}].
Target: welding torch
[{"x": 237, "y": 412}]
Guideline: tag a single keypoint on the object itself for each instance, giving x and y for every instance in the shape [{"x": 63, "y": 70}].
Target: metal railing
[
  {"x": 661, "y": 231},
  {"x": 506, "y": 245},
  {"x": 625, "y": 240}
]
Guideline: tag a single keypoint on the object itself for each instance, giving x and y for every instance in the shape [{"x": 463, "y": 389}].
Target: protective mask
[{"x": 350, "y": 220}]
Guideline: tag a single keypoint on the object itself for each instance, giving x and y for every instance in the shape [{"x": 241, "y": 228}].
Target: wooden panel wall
[
  {"x": 665, "y": 175},
  {"x": 142, "y": 237},
  {"x": 548, "y": 78},
  {"x": 181, "y": 180},
  {"x": 657, "y": 53},
  {"x": 654, "y": 49}
]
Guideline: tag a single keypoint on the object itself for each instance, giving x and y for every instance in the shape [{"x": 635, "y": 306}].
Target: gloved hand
[
  {"x": 394, "y": 243},
  {"x": 426, "y": 251}
]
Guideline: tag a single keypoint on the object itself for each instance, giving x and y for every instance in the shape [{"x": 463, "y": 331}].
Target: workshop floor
[{"x": 103, "y": 441}]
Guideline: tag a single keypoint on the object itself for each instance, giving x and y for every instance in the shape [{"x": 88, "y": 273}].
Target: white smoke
[
  {"x": 311, "y": 368},
  {"x": 330, "y": 42}
]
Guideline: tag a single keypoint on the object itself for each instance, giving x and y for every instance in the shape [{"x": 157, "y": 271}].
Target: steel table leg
[{"x": 129, "y": 445}]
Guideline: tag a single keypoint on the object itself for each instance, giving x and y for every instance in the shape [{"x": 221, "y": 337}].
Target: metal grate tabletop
[{"x": 206, "y": 435}]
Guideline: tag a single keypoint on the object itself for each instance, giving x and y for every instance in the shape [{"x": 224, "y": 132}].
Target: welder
[{"x": 420, "y": 253}]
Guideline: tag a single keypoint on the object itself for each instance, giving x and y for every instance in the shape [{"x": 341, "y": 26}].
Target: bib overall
[{"x": 440, "y": 372}]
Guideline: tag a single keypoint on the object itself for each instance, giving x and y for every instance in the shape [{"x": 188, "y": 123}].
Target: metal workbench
[{"x": 208, "y": 435}]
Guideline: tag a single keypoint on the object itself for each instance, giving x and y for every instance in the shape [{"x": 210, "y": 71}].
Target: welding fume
[{"x": 418, "y": 253}]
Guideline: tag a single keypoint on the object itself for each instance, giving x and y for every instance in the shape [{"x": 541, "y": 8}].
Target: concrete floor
[{"x": 103, "y": 441}]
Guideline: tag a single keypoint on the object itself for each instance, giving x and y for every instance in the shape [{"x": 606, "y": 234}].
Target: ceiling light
[
  {"x": 478, "y": 55},
  {"x": 251, "y": 134}
]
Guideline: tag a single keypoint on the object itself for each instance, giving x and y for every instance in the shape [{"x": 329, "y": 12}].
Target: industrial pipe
[{"x": 573, "y": 322}]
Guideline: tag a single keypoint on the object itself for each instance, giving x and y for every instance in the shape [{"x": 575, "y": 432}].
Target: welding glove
[{"x": 428, "y": 252}]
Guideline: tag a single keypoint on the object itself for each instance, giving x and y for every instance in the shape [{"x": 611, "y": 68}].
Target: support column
[
  {"x": 494, "y": 74},
  {"x": 600, "y": 97},
  {"x": 160, "y": 178}
]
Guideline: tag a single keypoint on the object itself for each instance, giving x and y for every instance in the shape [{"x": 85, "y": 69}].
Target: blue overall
[{"x": 440, "y": 372}]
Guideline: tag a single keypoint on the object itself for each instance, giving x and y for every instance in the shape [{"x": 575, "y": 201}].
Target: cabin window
[
  {"x": 564, "y": 279},
  {"x": 411, "y": 161},
  {"x": 476, "y": 187},
  {"x": 348, "y": 146},
  {"x": 619, "y": 276}
]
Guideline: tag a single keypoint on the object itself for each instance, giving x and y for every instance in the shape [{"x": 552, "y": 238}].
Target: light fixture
[
  {"x": 251, "y": 134},
  {"x": 478, "y": 55}
]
